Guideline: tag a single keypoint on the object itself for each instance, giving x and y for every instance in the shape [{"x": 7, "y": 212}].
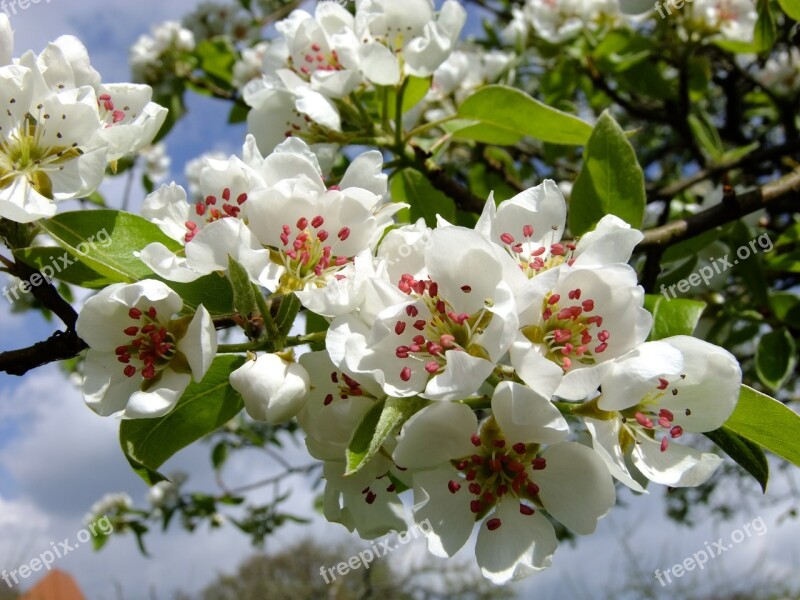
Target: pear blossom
[
  {"x": 651, "y": 397},
  {"x": 732, "y": 20},
  {"x": 250, "y": 65},
  {"x": 141, "y": 357},
  {"x": 388, "y": 27},
  {"x": 559, "y": 20},
  {"x": 465, "y": 71},
  {"x": 459, "y": 317},
  {"x": 148, "y": 49},
  {"x": 48, "y": 151},
  {"x": 314, "y": 232},
  {"x": 781, "y": 72},
  {"x": 6, "y": 40},
  {"x": 274, "y": 389},
  {"x": 498, "y": 475},
  {"x": 367, "y": 501}
]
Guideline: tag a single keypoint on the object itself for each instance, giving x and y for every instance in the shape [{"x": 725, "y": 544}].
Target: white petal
[
  {"x": 605, "y": 440},
  {"x": 273, "y": 390},
  {"x": 451, "y": 425},
  {"x": 447, "y": 516},
  {"x": 159, "y": 400},
  {"x": 166, "y": 264},
  {"x": 199, "y": 345},
  {"x": 379, "y": 64},
  {"x": 525, "y": 416},
  {"x": 678, "y": 466}
]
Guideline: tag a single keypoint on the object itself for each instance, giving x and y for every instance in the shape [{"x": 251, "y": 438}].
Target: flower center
[
  {"x": 347, "y": 386},
  {"x": 314, "y": 59},
  {"x": 498, "y": 470},
  {"x": 534, "y": 257},
  {"x": 650, "y": 419},
  {"x": 214, "y": 209},
  {"x": 306, "y": 255},
  {"x": 109, "y": 113},
  {"x": 568, "y": 330},
  {"x": 443, "y": 330},
  {"x": 152, "y": 346}
]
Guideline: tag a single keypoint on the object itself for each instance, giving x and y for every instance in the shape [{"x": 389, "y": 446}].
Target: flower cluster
[{"x": 61, "y": 126}]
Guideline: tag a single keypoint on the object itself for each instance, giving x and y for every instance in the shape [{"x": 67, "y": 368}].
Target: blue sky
[{"x": 57, "y": 457}]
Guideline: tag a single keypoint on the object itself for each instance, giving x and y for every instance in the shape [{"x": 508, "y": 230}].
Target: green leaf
[
  {"x": 412, "y": 187},
  {"x": 747, "y": 454},
  {"x": 244, "y": 298},
  {"x": 677, "y": 316},
  {"x": 416, "y": 89},
  {"x": 105, "y": 240},
  {"x": 765, "y": 32},
  {"x": 382, "y": 420},
  {"x": 791, "y": 8},
  {"x": 610, "y": 182},
  {"x": 204, "y": 407},
  {"x": 53, "y": 259},
  {"x": 217, "y": 59},
  {"x": 768, "y": 423},
  {"x": 505, "y": 114},
  {"x": 776, "y": 358},
  {"x": 314, "y": 324}
]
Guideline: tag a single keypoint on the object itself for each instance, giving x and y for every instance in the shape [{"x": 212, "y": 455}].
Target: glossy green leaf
[
  {"x": 677, "y": 316},
  {"x": 747, "y": 454},
  {"x": 776, "y": 358},
  {"x": 767, "y": 422},
  {"x": 244, "y": 297},
  {"x": 63, "y": 265},
  {"x": 381, "y": 421},
  {"x": 610, "y": 182},
  {"x": 412, "y": 187},
  {"x": 505, "y": 114},
  {"x": 204, "y": 407},
  {"x": 791, "y": 8}
]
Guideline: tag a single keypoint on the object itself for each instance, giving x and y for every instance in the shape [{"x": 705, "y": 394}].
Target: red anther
[
  {"x": 152, "y": 312},
  {"x": 287, "y": 230},
  {"x": 566, "y": 363},
  {"x": 532, "y": 488},
  {"x": 241, "y": 199},
  {"x": 546, "y": 314},
  {"x": 588, "y": 305},
  {"x": 130, "y": 371},
  {"x": 351, "y": 383},
  {"x": 447, "y": 340},
  {"x": 466, "y": 289},
  {"x": 493, "y": 524},
  {"x": 575, "y": 294},
  {"x": 666, "y": 414},
  {"x": 488, "y": 497},
  {"x": 538, "y": 463},
  {"x": 365, "y": 490},
  {"x": 526, "y": 510},
  {"x": 340, "y": 261},
  {"x": 131, "y": 331},
  {"x": 418, "y": 339},
  {"x": 462, "y": 465},
  {"x": 104, "y": 97},
  {"x": 501, "y": 490},
  {"x": 476, "y": 440},
  {"x": 453, "y": 486},
  {"x": 391, "y": 488},
  {"x": 135, "y": 313},
  {"x": 567, "y": 349},
  {"x": 121, "y": 350},
  {"x": 309, "y": 58},
  {"x": 516, "y": 467},
  {"x": 412, "y": 311},
  {"x": 432, "y": 367},
  {"x": 434, "y": 349},
  {"x": 322, "y": 235},
  {"x": 499, "y": 443},
  {"x": 663, "y": 384},
  {"x": 320, "y": 58},
  {"x": 507, "y": 238},
  {"x": 664, "y": 444},
  {"x": 200, "y": 209},
  {"x": 517, "y": 248},
  {"x": 562, "y": 335},
  {"x": 580, "y": 350},
  {"x": 291, "y": 254},
  {"x": 441, "y": 307},
  {"x": 475, "y": 488},
  {"x": 315, "y": 47},
  {"x": 601, "y": 348},
  {"x": 476, "y": 459},
  {"x": 124, "y": 358},
  {"x": 475, "y": 506},
  {"x": 676, "y": 431},
  {"x": 302, "y": 223},
  {"x": 230, "y": 210},
  {"x": 226, "y": 194},
  {"x": 405, "y": 373},
  {"x": 344, "y": 233},
  {"x": 664, "y": 422},
  {"x": 471, "y": 475},
  {"x": 399, "y": 327},
  {"x": 527, "y": 231},
  {"x": 433, "y": 290},
  {"x": 557, "y": 250},
  {"x": 371, "y": 497},
  {"x": 586, "y": 337},
  {"x": 539, "y": 251},
  {"x": 564, "y": 314},
  {"x": 419, "y": 325},
  {"x": 328, "y": 400},
  {"x": 495, "y": 465},
  {"x": 149, "y": 372},
  {"x": 414, "y": 348},
  {"x": 604, "y": 335},
  {"x": 317, "y": 222},
  {"x": 644, "y": 421},
  {"x": 519, "y": 448}
]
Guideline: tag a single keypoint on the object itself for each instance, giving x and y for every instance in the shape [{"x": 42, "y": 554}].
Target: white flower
[
  {"x": 315, "y": 232},
  {"x": 590, "y": 315},
  {"x": 166, "y": 492},
  {"x": 734, "y": 20},
  {"x": 782, "y": 72},
  {"x": 169, "y": 35},
  {"x": 465, "y": 71},
  {"x": 6, "y": 40},
  {"x": 108, "y": 505},
  {"x": 411, "y": 27},
  {"x": 249, "y": 66},
  {"x": 274, "y": 390},
  {"x": 156, "y": 162},
  {"x": 46, "y": 152},
  {"x": 141, "y": 358},
  {"x": 499, "y": 476},
  {"x": 454, "y": 320},
  {"x": 559, "y": 20},
  {"x": 673, "y": 386}
]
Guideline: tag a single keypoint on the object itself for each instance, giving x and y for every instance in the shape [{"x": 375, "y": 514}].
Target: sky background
[{"x": 57, "y": 457}]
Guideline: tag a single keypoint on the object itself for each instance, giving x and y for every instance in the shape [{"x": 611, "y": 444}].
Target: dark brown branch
[
  {"x": 461, "y": 195},
  {"x": 730, "y": 209}
]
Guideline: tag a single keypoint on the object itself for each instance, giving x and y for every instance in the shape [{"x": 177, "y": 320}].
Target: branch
[
  {"x": 462, "y": 196},
  {"x": 730, "y": 209}
]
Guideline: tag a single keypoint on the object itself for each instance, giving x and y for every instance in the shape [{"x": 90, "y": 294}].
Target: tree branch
[{"x": 730, "y": 209}]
